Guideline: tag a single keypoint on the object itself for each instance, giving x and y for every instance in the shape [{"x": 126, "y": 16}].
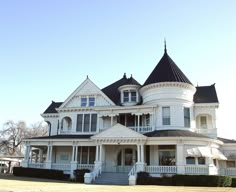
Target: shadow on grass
[{"x": 31, "y": 179}]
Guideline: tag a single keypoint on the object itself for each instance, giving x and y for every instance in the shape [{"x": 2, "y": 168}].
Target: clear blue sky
[{"x": 48, "y": 47}]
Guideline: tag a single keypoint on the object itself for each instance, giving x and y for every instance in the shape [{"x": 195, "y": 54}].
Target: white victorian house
[{"x": 165, "y": 126}]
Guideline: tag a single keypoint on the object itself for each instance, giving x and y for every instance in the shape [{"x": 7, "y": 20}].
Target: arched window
[{"x": 66, "y": 123}]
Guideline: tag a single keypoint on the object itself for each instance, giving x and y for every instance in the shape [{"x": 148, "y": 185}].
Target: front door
[{"x": 126, "y": 158}]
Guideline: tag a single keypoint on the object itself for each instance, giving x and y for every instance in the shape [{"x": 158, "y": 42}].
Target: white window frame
[
  {"x": 166, "y": 117},
  {"x": 187, "y": 122},
  {"x": 203, "y": 126}
]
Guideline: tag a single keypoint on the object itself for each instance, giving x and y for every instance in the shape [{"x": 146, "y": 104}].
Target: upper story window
[
  {"x": 129, "y": 96},
  {"x": 83, "y": 101},
  {"x": 165, "y": 115},
  {"x": 203, "y": 122},
  {"x": 133, "y": 96},
  {"x": 126, "y": 96},
  {"x": 86, "y": 123},
  {"x": 87, "y": 101},
  {"x": 91, "y": 101},
  {"x": 186, "y": 117}
]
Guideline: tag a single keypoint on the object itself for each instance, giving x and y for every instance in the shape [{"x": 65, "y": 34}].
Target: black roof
[
  {"x": 166, "y": 71},
  {"x": 64, "y": 137},
  {"x": 112, "y": 90},
  {"x": 226, "y": 140},
  {"x": 174, "y": 133},
  {"x": 52, "y": 107},
  {"x": 206, "y": 94}
]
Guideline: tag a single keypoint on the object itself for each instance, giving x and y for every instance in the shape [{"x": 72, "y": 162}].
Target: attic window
[
  {"x": 83, "y": 101},
  {"x": 129, "y": 96},
  {"x": 87, "y": 101},
  {"x": 126, "y": 96}
]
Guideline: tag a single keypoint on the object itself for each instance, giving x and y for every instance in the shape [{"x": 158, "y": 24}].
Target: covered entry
[{"x": 121, "y": 148}]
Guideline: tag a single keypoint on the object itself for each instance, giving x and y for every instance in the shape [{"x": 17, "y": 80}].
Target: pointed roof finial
[
  {"x": 165, "y": 46},
  {"x": 87, "y": 77},
  {"x": 124, "y": 76}
]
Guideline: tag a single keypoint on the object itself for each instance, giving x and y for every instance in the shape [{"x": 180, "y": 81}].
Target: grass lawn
[{"x": 9, "y": 183}]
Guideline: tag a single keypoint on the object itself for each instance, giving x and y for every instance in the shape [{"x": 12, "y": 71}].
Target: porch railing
[
  {"x": 228, "y": 171},
  {"x": 160, "y": 169},
  {"x": 85, "y": 166},
  {"x": 61, "y": 166},
  {"x": 133, "y": 170},
  {"x": 141, "y": 129},
  {"x": 196, "y": 170},
  {"x": 37, "y": 165}
]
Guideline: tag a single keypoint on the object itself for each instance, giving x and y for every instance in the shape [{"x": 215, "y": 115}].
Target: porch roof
[
  {"x": 63, "y": 137},
  {"x": 174, "y": 133}
]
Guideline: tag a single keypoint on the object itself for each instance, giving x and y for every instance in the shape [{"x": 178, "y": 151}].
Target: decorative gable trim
[
  {"x": 119, "y": 134},
  {"x": 82, "y": 85}
]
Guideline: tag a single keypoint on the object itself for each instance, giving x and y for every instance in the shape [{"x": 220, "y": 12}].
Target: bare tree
[{"x": 13, "y": 134}]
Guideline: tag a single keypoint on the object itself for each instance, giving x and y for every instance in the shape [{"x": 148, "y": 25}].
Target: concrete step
[{"x": 112, "y": 178}]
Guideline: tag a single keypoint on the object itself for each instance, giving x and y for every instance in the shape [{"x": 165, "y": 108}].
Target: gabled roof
[
  {"x": 52, "y": 107},
  {"x": 174, "y": 133},
  {"x": 205, "y": 94},
  {"x": 226, "y": 140},
  {"x": 118, "y": 131},
  {"x": 112, "y": 90},
  {"x": 166, "y": 71}
]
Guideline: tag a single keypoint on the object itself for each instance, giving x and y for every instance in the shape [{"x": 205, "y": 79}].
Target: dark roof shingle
[
  {"x": 64, "y": 137},
  {"x": 227, "y": 140},
  {"x": 205, "y": 94},
  {"x": 112, "y": 90},
  {"x": 166, "y": 71},
  {"x": 174, "y": 133},
  {"x": 52, "y": 107}
]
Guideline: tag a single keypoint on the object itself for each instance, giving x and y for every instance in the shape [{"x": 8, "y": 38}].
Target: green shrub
[
  {"x": 202, "y": 180},
  {"x": 144, "y": 178},
  {"x": 233, "y": 184},
  {"x": 39, "y": 173},
  {"x": 79, "y": 174}
]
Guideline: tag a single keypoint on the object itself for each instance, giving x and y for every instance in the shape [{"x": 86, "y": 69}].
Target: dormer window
[
  {"x": 126, "y": 96},
  {"x": 87, "y": 101},
  {"x": 133, "y": 96}
]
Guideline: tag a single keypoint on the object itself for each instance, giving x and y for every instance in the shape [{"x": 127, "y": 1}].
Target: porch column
[
  {"x": 40, "y": 155},
  {"x": 97, "y": 152},
  {"x": 140, "y": 165},
  {"x": 49, "y": 157},
  {"x": 73, "y": 160},
  {"x": 180, "y": 158},
  {"x": 111, "y": 120},
  {"x": 100, "y": 150},
  {"x": 25, "y": 162},
  {"x": 142, "y": 153}
]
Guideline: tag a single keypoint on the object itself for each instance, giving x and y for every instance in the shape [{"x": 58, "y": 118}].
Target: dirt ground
[{"x": 9, "y": 183}]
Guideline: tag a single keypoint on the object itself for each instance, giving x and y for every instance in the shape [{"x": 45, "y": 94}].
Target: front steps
[{"x": 112, "y": 178}]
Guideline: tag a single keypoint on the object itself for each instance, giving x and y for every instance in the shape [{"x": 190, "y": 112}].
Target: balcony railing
[
  {"x": 206, "y": 131},
  {"x": 141, "y": 129},
  {"x": 85, "y": 166}
]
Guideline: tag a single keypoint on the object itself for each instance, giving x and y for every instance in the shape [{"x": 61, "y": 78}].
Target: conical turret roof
[{"x": 166, "y": 71}]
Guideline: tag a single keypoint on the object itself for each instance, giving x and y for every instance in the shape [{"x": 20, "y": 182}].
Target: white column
[
  {"x": 73, "y": 153},
  {"x": 100, "y": 155},
  {"x": 98, "y": 124},
  {"x": 111, "y": 120},
  {"x": 142, "y": 153},
  {"x": 97, "y": 152},
  {"x": 138, "y": 123},
  {"x": 138, "y": 153},
  {"x": 76, "y": 153},
  {"x": 180, "y": 158},
  {"x": 40, "y": 155}
]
